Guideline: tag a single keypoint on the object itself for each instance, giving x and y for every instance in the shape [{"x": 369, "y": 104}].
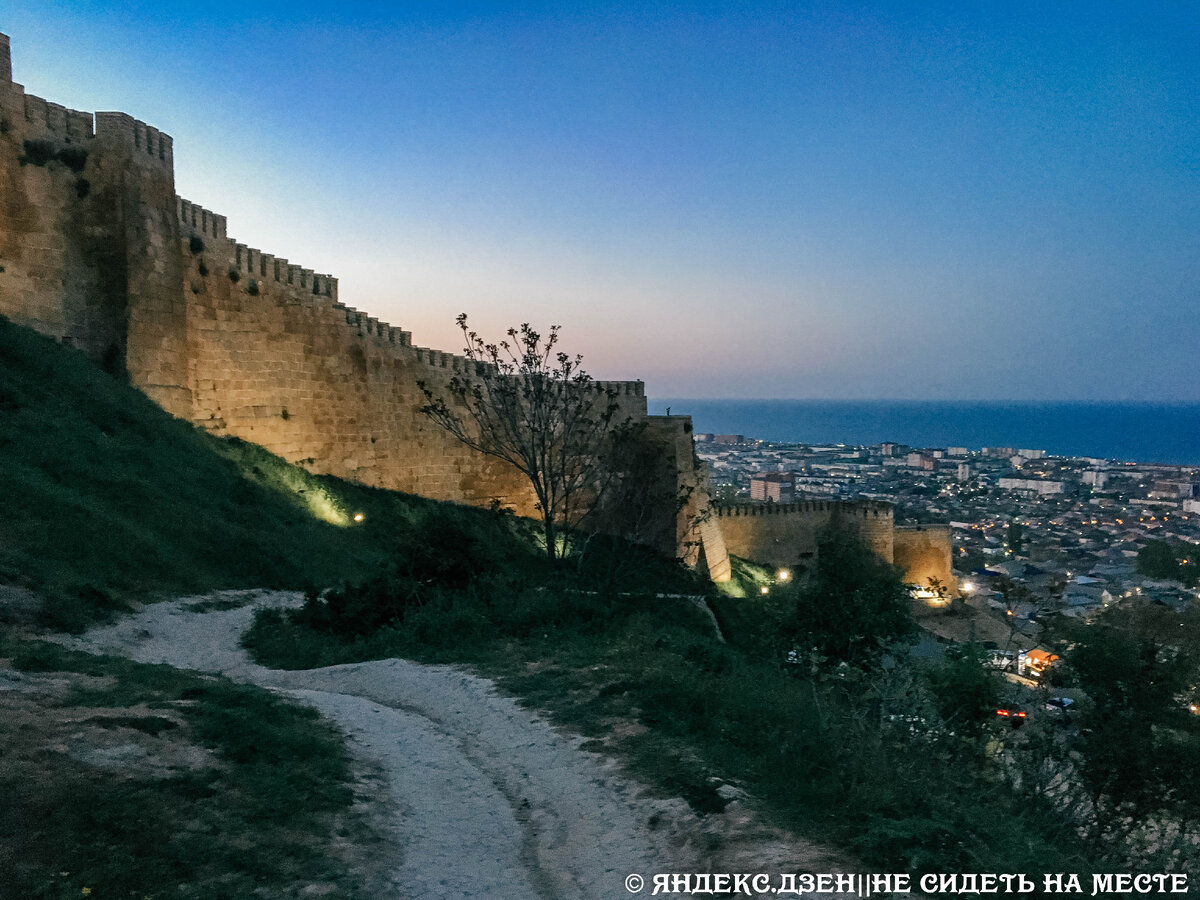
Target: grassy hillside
[
  {"x": 130, "y": 780},
  {"x": 107, "y": 498}
]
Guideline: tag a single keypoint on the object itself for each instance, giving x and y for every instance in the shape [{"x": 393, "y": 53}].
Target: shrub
[
  {"x": 361, "y": 609},
  {"x": 854, "y": 607},
  {"x": 113, "y": 361},
  {"x": 252, "y": 288},
  {"x": 444, "y": 551},
  {"x": 1168, "y": 559},
  {"x": 196, "y": 244},
  {"x": 442, "y": 556},
  {"x": 234, "y": 275},
  {"x": 965, "y": 691},
  {"x": 41, "y": 152},
  {"x": 75, "y": 609}
]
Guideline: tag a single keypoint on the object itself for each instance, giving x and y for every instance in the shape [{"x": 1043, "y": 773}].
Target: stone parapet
[{"x": 146, "y": 144}]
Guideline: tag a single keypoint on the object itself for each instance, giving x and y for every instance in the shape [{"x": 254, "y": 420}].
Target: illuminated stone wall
[
  {"x": 785, "y": 534},
  {"x": 923, "y": 552},
  {"x": 276, "y": 359}
]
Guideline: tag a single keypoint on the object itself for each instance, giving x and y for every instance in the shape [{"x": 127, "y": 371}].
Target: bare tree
[{"x": 530, "y": 404}]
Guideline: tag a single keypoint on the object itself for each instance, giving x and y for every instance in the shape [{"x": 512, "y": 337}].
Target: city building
[{"x": 773, "y": 487}]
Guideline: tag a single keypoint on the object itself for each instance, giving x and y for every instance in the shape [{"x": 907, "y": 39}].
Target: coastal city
[{"x": 1031, "y": 534}]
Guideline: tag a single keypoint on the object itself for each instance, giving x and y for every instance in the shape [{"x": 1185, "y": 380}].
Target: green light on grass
[{"x": 325, "y": 508}]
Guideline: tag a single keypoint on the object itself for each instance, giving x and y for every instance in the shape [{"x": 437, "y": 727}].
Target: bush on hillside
[
  {"x": 439, "y": 554},
  {"x": 854, "y": 607}
]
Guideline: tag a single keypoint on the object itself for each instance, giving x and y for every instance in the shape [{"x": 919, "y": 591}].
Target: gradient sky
[{"x": 828, "y": 200}]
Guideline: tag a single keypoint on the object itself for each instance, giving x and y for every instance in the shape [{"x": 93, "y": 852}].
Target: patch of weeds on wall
[
  {"x": 74, "y": 158},
  {"x": 41, "y": 152},
  {"x": 235, "y": 276},
  {"x": 83, "y": 187},
  {"x": 196, "y": 244},
  {"x": 202, "y": 269},
  {"x": 252, "y": 288},
  {"x": 37, "y": 153}
]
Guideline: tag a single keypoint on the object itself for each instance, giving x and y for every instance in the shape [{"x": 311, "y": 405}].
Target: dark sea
[{"x": 1137, "y": 432}]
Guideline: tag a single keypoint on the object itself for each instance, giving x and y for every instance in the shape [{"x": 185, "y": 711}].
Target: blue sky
[{"x": 926, "y": 201}]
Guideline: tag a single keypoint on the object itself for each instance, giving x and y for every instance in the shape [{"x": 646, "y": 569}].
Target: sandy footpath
[{"x": 479, "y": 797}]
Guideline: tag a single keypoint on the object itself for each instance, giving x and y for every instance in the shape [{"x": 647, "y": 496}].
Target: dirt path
[
  {"x": 492, "y": 801},
  {"x": 483, "y": 798}
]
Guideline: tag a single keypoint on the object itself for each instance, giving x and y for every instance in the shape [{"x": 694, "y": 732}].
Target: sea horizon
[{"x": 1134, "y": 431}]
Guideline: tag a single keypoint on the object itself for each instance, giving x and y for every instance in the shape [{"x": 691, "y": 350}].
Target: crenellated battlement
[
  {"x": 622, "y": 388},
  {"x": 867, "y": 508},
  {"x": 861, "y": 509},
  {"x": 5, "y": 59},
  {"x": 199, "y": 220},
  {"x": 147, "y": 144},
  {"x": 45, "y": 119},
  {"x": 440, "y": 359},
  {"x": 257, "y": 264},
  {"x": 303, "y": 283},
  {"x": 369, "y": 325},
  {"x": 739, "y": 510},
  {"x": 786, "y": 534},
  {"x": 300, "y": 284}
]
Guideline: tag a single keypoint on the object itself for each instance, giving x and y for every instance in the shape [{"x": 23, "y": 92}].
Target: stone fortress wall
[
  {"x": 98, "y": 251},
  {"x": 924, "y": 552},
  {"x": 275, "y": 358},
  {"x": 785, "y": 534}
]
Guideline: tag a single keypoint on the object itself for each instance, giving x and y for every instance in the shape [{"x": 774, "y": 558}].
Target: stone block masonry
[
  {"x": 785, "y": 534},
  {"x": 276, "y": 359},
  {"x": 924, "y": 552},
  {"x": 98, "y": 251}
]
